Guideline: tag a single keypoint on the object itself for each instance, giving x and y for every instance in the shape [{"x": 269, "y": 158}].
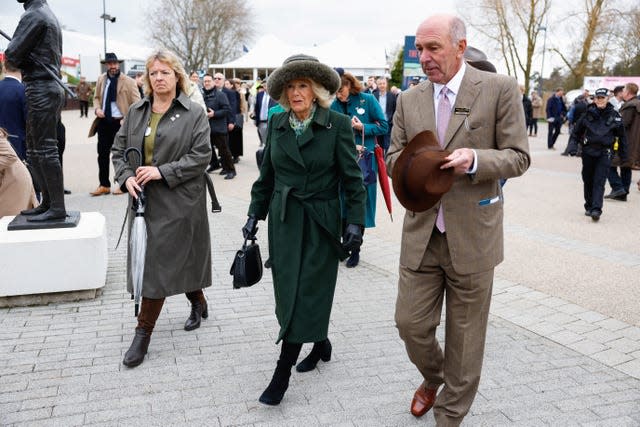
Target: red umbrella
[{"x": 383, "y": 178}]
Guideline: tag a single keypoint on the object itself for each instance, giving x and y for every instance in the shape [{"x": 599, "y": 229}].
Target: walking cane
[{"x": 51, "y": 73}]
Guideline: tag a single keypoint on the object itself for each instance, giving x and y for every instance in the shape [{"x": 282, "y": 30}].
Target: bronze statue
[{"x": 36, "y": 48}]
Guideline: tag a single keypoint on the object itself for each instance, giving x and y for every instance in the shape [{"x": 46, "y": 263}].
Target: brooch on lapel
[{"x": 360, "y": 110}]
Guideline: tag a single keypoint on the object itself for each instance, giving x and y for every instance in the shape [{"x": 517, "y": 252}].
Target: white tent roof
[
  {"x": 345, "y": 52},
  {"x": 76, "y": 44}
]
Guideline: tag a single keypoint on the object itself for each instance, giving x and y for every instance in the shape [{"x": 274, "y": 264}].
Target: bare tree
[
  {"x": 627, "y": 41},
  {"x": 597, "y": 22},
  {"x": 513, "y": 26},
  {"x": 201, "y": 32}
]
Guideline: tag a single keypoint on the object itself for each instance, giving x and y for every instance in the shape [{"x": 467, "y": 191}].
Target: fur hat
[{"x": 302, "y": 66}]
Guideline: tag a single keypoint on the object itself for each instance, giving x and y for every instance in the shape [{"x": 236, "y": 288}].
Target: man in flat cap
[{"x": 452, "y": 248}]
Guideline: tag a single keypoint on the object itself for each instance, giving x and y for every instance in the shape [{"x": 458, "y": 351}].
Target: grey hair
[
  {"x": 457, "y": 30},
  {"x": 322, "y": 95}
]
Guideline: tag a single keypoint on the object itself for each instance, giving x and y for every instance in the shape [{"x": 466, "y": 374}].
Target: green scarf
[{"x": 299, "y": 126}]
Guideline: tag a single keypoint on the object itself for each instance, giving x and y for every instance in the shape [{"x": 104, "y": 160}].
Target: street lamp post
[
  {"x": 105, "y": 17},
  {"x": 544, "y": 49}
]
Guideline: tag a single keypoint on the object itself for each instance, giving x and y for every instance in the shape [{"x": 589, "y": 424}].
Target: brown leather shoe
[
  {"x": 100, "y": 191},
  {"x": 117, "y": 191},
  {"x": 423, "y": 400}
]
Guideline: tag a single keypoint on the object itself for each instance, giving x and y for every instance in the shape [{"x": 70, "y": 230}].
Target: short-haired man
[
  {"x": 617, "y": 98},
  {"x": 449, "y": 251},
  {"x": 83, "y": 91},
  {"x": 556, "y": 112},
  {"x": 387, "y": 101},
  {"x": 217, "y": 111},
  {"x": 115, "y": 93},
  {"x": 630, "y": 112},
  {"x": 261, "y": 111}
]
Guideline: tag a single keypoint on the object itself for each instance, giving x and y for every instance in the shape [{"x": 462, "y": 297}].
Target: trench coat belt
[{"x": 287, "y": 191}]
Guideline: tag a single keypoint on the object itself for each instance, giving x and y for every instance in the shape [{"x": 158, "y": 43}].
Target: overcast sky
[{"x": 300, "y": 22}]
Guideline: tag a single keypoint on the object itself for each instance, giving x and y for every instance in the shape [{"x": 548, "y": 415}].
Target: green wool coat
[
  {"x": 178, "y": 257},
  {"x": 298, "y": 188}
]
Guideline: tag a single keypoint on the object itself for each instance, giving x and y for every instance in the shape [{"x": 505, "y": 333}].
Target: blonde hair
[
  {"x": 169, "y": 58},
  {"x": 322, "y": 95}
]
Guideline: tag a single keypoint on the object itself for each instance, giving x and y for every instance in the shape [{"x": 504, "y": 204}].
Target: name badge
[{"x": 461, "y": 111}]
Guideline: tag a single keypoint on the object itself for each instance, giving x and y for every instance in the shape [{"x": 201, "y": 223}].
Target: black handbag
[{"x": 247, "y": 265}]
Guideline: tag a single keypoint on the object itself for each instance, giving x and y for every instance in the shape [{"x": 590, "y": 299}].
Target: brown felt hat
[{"x": 418, "y": 181}]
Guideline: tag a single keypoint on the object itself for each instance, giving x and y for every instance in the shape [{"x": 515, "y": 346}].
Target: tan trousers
[{"x": 418, "y": 310}]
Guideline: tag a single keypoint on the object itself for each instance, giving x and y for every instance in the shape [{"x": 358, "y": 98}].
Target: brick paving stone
[
  {"x": 611, "y": 357},
  {"x": 588, "y": 347}
]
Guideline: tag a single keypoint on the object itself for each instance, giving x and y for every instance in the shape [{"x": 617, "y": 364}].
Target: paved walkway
[{"x": 563, "y": 345}]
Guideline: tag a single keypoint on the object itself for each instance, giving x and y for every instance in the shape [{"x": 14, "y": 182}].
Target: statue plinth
[{"x": 21, "y": 222}]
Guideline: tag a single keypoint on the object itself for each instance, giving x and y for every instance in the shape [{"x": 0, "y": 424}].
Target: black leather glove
[
  {"x": 352, "y": 239},
  {"x": 250, "y": 228}
]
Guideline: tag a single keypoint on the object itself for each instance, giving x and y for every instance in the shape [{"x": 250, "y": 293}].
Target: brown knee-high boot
[
  {"x": 147, "y": 317},
  {"x": 199, "y": 310}
]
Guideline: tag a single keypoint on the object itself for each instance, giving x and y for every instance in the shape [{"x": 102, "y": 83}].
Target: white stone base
[{"x": 53, "y": 260}]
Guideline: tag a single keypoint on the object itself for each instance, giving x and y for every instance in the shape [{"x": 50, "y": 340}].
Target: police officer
[{"x": 597, "y": 130}]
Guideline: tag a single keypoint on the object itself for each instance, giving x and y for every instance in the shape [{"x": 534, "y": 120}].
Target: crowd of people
[
  {"x": 604, "y": 131},
  {"x": 317, "y": 188}
]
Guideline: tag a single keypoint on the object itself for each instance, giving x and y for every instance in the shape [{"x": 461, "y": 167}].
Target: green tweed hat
[{"x": 302, "y": 66}]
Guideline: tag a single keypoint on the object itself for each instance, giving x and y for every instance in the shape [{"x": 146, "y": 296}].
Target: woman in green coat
[{"x": 309, "y": 156}]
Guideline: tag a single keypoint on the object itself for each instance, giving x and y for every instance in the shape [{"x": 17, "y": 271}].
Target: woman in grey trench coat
[
  {"x": 172, "y": 132},
  {"x": 308, "y": 156}
]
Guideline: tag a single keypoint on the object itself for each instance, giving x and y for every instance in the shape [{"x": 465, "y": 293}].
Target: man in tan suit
[
  {"x": 115, "y": 93},
  {"x": 452, "y": 248}
]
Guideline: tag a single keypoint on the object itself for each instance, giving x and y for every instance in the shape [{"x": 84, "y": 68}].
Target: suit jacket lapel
[{"x": 469, "y": 90}]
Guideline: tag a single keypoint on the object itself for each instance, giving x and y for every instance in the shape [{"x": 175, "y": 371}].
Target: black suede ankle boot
[
  {"x": 278, "y": 385},
  {"x": 321, "y": 351},
  {"x": 280, "y": 382},
  {"x": 135, "y": 355}
]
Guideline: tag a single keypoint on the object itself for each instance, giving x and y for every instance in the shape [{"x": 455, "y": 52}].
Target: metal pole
[
  {"x": 104, "y": 25},
  {"x": 544, "y": 49}
]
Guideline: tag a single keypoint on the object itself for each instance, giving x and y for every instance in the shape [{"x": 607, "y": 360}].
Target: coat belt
[{"x": 329, "y": 193}]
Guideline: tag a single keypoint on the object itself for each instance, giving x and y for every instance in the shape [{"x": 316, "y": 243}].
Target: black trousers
[
  {"x": 554, "y": 131},
  {"x": 84, "y": 108},
  {"x": 236, "y": 142},
  {"x": 221, "y": 142},
  {"x": 620, "y": 181},
  {"x": 107, "y": 129},
  {"x": 595, "y": 168}
]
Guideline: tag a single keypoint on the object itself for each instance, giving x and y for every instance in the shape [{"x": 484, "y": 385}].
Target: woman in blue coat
[{"x": 366, "y": 116}]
